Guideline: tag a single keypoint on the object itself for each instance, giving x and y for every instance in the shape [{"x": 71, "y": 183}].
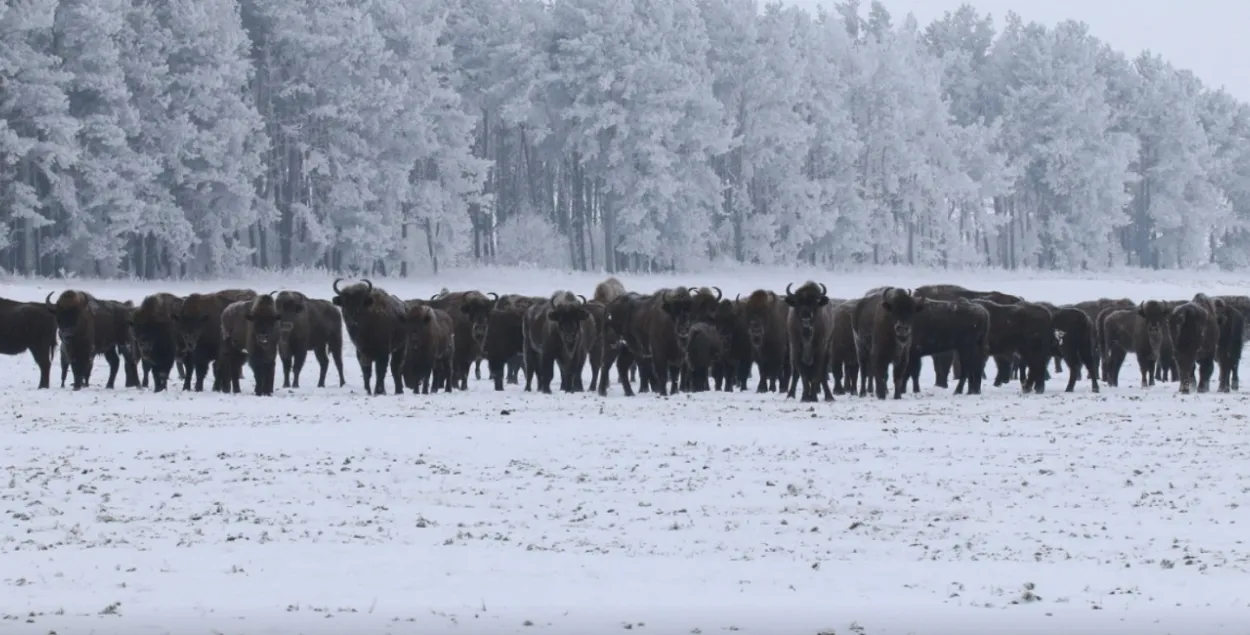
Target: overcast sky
[{"x": 1205, "y": 36}]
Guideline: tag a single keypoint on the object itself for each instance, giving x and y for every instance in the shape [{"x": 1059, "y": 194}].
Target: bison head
[
  {"x": 806, "y": 305},
  {"x": 193, "y": 318},
  {"x": 679, "y": 305},
  {"x": 903, "y": 307},
  {"x": 725, "y": 319},
  {"x": 477, "y": 308},
  {"x": 354, "y": 298},
  {"x": 291, "y": 306},
  {"x": 568, "y": 311},
  {"x": 704, "y": 303},
  {"x": 69, "y": 311},
  {"x": 263, "y": 316},
  {"x": 757, "y": 312}
]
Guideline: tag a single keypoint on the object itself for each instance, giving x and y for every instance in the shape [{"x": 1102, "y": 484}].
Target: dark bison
[
  {"x": 734, "y": 367},
  {"x": 27, "y": 326},
  {"x": 471, "y": 311},
  {"x": 89, "y": 327},
  {"x": 1094, "y": 309},
  {"x": 890, "y": 326},
  {"x": 557, "y": 330},
  {"x": 843, "y": 358},
  {"x": 765, "y": 315},
  {"x": 703, "y": 352},
  {"x": 809, "y": 327},
  {"x": 1242, "y": 304},
  {"x": 1142, "y": 331},
  {"x": 940, "y": 326},
  {"x": 307, "y": 325},
  {"x": 504, "y": 338},
  {"x": 1024, "y": 329},
  {"x": 251, "y": 331},
  {"x": 1195, "y": 330},
  {"x": 1228, "y": 351},
  {"x": 944, "y": 363},
  {"x": 155, "y": 327},
  {"x": 199, "y": 327},
  {"x": 645, "y": 327},
  {"x": 430, "y": 349},
  {"x": 375, "y": 324},
  {"x": 603, "y": 353},
  {"x": 1075, "y": 343}
]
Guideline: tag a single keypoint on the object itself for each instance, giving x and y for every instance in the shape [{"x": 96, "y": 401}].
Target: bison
[
  {"x": 765, "y": 315},
  {"x": 1228, "y": 350},
  {"x": 1023, "y": 329},
  {"x": 943, "y": 363},
  {"x": 89, "y": 327},
  {"x": 734, "y": 366},
  {"x": 307, "y": 325},
  {"x": 1075, "y": 341},
  {"x": 704, "y": 349},
  {"x": 1141, "y": 330},
  {"x": 471, "y": 311},
  {"x": 843, "y": 358},
  {"x": 27, "y": 326},
  {"x": 1195, "y": 330},
  {"x": 199, "y": 327},
  {"x": 155, "y": 327},
  {"x": 641, "y": 329},
  {"x": 809, "y": 328},
  {"x": 557, "y": 330},
  {"x": 375, "y": 324},
  {"x": 939, "y": 326},
  {"x": 504, "y": 338},
  {"x": 250, "y": 330},
  {"x": 430, "y": 348}
]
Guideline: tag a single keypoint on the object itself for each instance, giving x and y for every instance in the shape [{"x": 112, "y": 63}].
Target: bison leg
[
  {"x": 114, "y": 361},
  {"x": 65, "y": 362},
  {"x": 1206, "y": 368},
  {"x": 531, "y": 366},
  {"x": 514, "y": 368},
  {"x": 379, "y": 367},
  {"x": 659, "y": 373},
  {"x": 1146, "y": 365},
  {"x": 299, "y": 357},
  {"x": 43, "y": 359},
  {"x": 496, "y": 367},
  {"x": 546, "y": 373},
  {"x": 366, "y": 371},
  {"x": 477, "y": 368}
]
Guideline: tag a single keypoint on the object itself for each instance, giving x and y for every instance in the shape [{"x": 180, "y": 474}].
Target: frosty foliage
[{"x": 204, "y": 138}]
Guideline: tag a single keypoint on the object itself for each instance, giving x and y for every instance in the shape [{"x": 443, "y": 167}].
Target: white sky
[{"x": 1207, "y": 37}]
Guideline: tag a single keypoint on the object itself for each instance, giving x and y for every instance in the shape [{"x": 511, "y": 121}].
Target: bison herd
[{"x": 678, "y": 339}]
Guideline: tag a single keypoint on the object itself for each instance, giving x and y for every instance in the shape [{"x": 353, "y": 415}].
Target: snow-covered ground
[{"x": 323, "y": 510}]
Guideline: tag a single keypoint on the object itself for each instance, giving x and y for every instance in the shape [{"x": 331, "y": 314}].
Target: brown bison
[
  {"x": 375, "y": 324},
  {"x": 251, "y": 330},
  {"x": 504, "y": 338},
  {"x": 155, "y": 328},
  {"x": 1141, "y": 330},
  {"x": 89, "y": 327},
  {"x": 1094, "y": 309},
  {"x": 1024, "y": 329},
  {"x": 308, "y": 325},
  {"x": 889, "y": 337},
  {"x": 557, "y": 330},
  {"x": 430, "y": 348},
  {"x": 471, "y": 311},
  {"x": 1195, "y": 330},
  {"x": 199, "y": 323},
  {"x": 765, "y": 315},
  {"x": 809, "y": 328},
  {"x": 27, "y": 326},
  {"x": 603, "y": 353}
]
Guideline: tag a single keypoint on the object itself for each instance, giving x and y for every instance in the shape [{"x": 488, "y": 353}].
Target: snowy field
[{"x": 325, "y": 510}]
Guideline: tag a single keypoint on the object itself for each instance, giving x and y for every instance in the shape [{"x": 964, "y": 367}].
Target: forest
[{"x": 201, "y": 138}]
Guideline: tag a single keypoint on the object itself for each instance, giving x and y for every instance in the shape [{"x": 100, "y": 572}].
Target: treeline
[{"x": 200, "y": 138}]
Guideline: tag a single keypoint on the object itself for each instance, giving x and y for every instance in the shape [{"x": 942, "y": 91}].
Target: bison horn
[
  {"x": 719, "y": 295},
  {"x": 582, "y": 297},
  {"x": 494, "y": 297},
  {"x": 370, "y": 284},
  {"x": 738, "y": 298},
  {"x": 823, "y": 289},
  {"x": 274, "y": 292},
  {"x": 48, "y": 300},
  {"x": 335, "y": 286},
  {"x": 788, "y": 293},
  {"x": 886, "y": 292}
]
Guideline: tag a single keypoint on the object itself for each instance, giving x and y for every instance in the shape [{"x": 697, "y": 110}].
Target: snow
[{"x": 323, "y": 510}]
